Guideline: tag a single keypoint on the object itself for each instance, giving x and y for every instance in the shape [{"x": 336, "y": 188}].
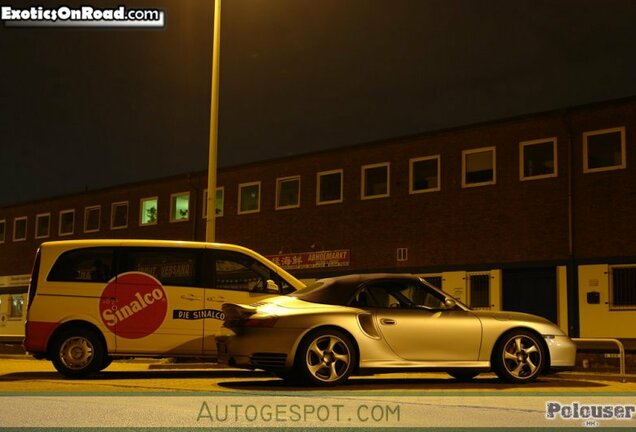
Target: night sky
[{"x": 86, "y": 109}]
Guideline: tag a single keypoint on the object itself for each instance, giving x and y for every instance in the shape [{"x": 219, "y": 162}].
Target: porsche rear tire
[
  {"x": 519, "y": 357},
  {"x": 326, "y": 358}
]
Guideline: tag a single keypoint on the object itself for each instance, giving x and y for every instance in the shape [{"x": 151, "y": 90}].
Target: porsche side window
[
  {"x": 404, "y": 295},
  {"x": 239, "y": 272}
]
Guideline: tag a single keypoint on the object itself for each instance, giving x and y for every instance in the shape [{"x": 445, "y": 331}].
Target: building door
[{"x": 531, "y": 290}]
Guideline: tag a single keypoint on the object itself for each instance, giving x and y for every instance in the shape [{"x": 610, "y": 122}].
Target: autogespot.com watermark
[
  {"x": 288, "y": 414},
  {"x": 84, "y": 16},
  {"x": 589, "y": 414}
]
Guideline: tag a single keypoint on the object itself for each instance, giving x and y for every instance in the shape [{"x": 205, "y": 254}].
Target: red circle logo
[{"x": 133, "y": 305}]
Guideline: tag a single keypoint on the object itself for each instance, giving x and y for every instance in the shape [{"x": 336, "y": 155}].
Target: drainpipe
[
  {"x": 194, "y": 198},
  {"x": 572, "y": 270}
]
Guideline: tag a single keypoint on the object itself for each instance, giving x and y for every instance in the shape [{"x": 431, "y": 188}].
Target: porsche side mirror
[
  {"x": 272, "y": 287},
  {"x": 450, "y": 303}
]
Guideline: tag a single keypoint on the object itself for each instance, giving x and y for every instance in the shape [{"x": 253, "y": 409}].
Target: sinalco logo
[{"x": 133, "y": 305}]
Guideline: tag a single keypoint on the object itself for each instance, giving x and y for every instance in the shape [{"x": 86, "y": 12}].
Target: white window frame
[
  {"x": 173, "y": 209},
  {"x": 494, "y": 166},
  {"x": 412, "y": 161},
  {"x": 522, "y": 165},
  {"x": 99, "y": 218},
  {"x": 112, "y": 215},
  {"x": 26, "y": 228},
  {"x": 258, "y": 206},
  {"x": 623, "y": 164},
  {"x": 37, "y": 217},
  {"x": 204, "y": 211},
  {"x": 4, "y": 232},
  {"x": 402, "y": 254},
  {"x": 59, "y": 226},
  {"x": 610, "y": 289},
  {"x": 222, "y": 189},
  {"x": 363, "y": 179},
  {"x": 325, "y": 173},
  {"x": 279, "y": 181},
  {"x": 141, "y": 211}
]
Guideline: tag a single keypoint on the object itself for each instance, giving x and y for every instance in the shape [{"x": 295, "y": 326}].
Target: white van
[{"x": 94, "y": 300}]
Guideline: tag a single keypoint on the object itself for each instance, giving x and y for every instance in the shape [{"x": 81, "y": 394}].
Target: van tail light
[{"x": 33, "y": 284}]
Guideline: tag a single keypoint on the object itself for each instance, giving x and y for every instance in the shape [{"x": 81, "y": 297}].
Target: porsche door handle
[
  {"x": 190, "y": 297},
  {"x": 387, "y": 321}
]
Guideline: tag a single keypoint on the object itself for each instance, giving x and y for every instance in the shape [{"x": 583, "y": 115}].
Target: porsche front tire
[{"x": 519, "y": 357}]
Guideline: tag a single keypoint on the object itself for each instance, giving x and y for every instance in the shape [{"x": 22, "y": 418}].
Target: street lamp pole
[{"x": 210, "y": 222}]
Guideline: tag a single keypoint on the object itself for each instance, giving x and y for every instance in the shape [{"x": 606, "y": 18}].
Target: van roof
[{"x": 71, "y": 244}]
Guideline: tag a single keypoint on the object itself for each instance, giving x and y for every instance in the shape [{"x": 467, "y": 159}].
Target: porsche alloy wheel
[
  {"x": 520, "y": 357},
  {"x": 327, "y": 357}
]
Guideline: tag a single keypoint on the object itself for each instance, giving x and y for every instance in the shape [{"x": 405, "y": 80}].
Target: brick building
[{"x": 532, "y": 214}]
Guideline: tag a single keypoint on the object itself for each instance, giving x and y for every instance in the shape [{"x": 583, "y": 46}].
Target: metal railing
[{"x": 621, "y": 352}]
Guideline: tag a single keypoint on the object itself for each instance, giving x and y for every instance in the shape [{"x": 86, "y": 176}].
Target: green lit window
[
  {"x": 148, "y": 211},
  {"x": 249, "y": 197},
  {"x": 180, "y": 207},
  {"x": 16, "y": 306},
  {"x": 220, "y": 195}
]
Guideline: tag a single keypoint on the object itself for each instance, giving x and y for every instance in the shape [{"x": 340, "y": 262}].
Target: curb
[{"x": 599, "y": 376}]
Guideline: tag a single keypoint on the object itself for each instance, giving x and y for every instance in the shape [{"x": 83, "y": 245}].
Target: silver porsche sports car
[{"x": 364, "y": 324}]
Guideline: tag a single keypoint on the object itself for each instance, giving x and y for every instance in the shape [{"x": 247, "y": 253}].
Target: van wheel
[{"x": 78, "y": 352}]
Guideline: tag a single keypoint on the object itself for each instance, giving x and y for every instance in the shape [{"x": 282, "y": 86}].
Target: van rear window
[{"x": 83, "y": 265}]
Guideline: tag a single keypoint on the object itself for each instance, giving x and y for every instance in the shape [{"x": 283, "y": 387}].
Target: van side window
[
  {"x": 238, "y": 272},
  {"x": 83, "y": 265},
  {"x": 168, "y": 265}
]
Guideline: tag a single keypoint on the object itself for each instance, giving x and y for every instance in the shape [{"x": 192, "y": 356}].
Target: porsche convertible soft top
[{"x": 341, "y": 290}]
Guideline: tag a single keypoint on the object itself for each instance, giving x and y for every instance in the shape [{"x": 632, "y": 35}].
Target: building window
[
  {"x": 479, "y": 290},
  {"x": 604, "y": 150},
  {"x": 119, "y": 215},
  {"x": 16, "y": 306},
  {"x": 92, "y": 216},
  {"x": 375, "y": 181},
  {"x": 435, "y": 280},
  {"x": 538, "y": 159},
  {"x": 249, "y": 198},
  {"x": 424, "y": 174},
  {"x": 329, "y": 189},
  {"x": 43, "y": 225},
  {"x": 402, "y": 254},
  {"x": 180, "y": 207},
  {"x": 67, "y": 222},
  {"x": 148, "y": 212},
  {"x": 3, "y": 230},
  {"x": 20, "y": 228},
  {"x": 623, "y": 288},
  {"x": 287, "y": 192},
  {"x": 220, "y": 198},
  {"x": 478, "y": 167}
]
